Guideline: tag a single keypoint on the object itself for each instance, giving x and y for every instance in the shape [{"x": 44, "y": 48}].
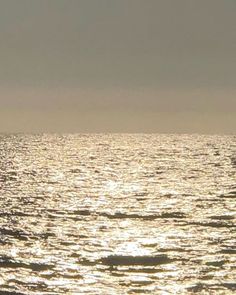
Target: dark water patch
[
  {"x": 39, "y": 286},
  {"x": 228, "y": 251},
  {"x": 216, "y": 287},
  {"x": 48, "y": 276},
  {"x": 229, "y": 195},
  {"x": 72, "y": 276},
  {"x": 218, "y": 165},
  {"x": 230, "y": 286},
  {"x": 87, "y": 262},
  {"x": 216, "y": 241},
  {"x": 222, "y": 217},
  {"x": 24, "y": 236},
  {"x": 219, "y": 263},
  {"x": 78, "y": 255},
  {"x": 120, "y": 215},
  {"x": 151, "y": 245},
  {"x": 173, "y": 215},
  {"x": 158, "y": 172},
  {"x": 177, "y": 215},
  {"x": 81, "y": 212},
  {"x": 4, "y": 242},
  {"x": 11, "y": 176},
  {"x": 68, "y": 214},
  {"x": 117, "y": 273},
  {"x": 52, "y": 182},
  {"x": 206, "y": 277},
  {"x": 149, "y": 175},
  {"x": 64, "y": 217},
  {"x": 32, "y": 172},
  {"x": 46, "y": 235},
  {"x": 17, "y": 234},
  {"x": 93, "y": 158},
  {"x": 75, "y": 170},
  {"x": 67, "y": 243},
  {"x": 5, "y": 292},
  {"x": 233, "y": 161},
  {"x": 197, "y": 288},
  {"x": 141, "y": 283},
  {"x": 199, "y": 155},
  {"x": 115, "y": 260},
  {"x": 127, "y": 260},
  {"x": 55, "y": 216},
  {"x": 175, "y": 250},
  {"x": 213, "y": 224},
  {"x": 138, "y": 291},
  {"x": 8, "y": 262},
  {"x": 145, "y": 270},
  {"x": 17, "y": 214}
]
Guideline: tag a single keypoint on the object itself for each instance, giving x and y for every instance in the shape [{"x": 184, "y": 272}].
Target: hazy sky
[{"x": 118, "y": 65}]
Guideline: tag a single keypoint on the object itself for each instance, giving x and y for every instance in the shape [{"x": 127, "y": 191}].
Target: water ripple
[{"x": 117, "y": 214}]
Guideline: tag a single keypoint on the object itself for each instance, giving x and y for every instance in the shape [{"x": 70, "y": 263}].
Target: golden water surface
[{"x": 77, "y": 212}]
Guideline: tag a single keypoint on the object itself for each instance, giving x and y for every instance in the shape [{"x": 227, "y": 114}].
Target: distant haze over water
[{"x": 118, "y": 66}]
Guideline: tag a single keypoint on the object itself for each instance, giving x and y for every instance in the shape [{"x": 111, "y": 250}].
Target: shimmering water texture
[{"x": 117, "y": 214}]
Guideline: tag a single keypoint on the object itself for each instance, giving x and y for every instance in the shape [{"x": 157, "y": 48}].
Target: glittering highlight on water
[{"x": 117, "y": 214}]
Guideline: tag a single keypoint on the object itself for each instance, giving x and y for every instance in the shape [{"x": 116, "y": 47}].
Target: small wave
[
  {"x": 229, "y": 195},
  {"x": 214, "y": 224},
  {"x": 228, "y": 251},
  {"x": 219, "y": 263},
  {"x": 201, "y": 287},
  {"x": 8, "y": 262},
  {"x": 115, "y": 260},
  {"x": 81, "y": 212},
  {"x": 4, "y": 292},
  {"x": 144, "y": 217},
  {"x": 222, "y": 217},
  {"x": 137, "y": 291},
  {"x": 54, "y": 214},
  {"x": 138, "y": 269},
  {"x": 24, "y": 236},
  {"x": 17, "y": 214},
  {"x": 17, "y": 234},
  {"x": 37, "y": 286},
  {"x": 174, "y": 250},
  {"x": 72, "y": 276}
]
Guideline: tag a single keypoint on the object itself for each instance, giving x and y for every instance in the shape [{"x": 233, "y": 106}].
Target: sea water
[{"x": 92, "y": 214}]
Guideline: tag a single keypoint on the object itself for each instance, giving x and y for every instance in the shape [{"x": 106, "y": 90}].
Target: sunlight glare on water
[{"x": 117, "y": 214}]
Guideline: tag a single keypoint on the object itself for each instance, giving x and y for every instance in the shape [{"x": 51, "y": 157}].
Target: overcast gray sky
[{"x": 118, "y": 66}]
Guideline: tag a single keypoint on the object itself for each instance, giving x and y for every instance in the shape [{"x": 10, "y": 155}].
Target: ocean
[{"x": 117, "y": 214}]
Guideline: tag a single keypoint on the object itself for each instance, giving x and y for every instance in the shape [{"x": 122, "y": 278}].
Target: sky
[{"x": 118, "y": 66}]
